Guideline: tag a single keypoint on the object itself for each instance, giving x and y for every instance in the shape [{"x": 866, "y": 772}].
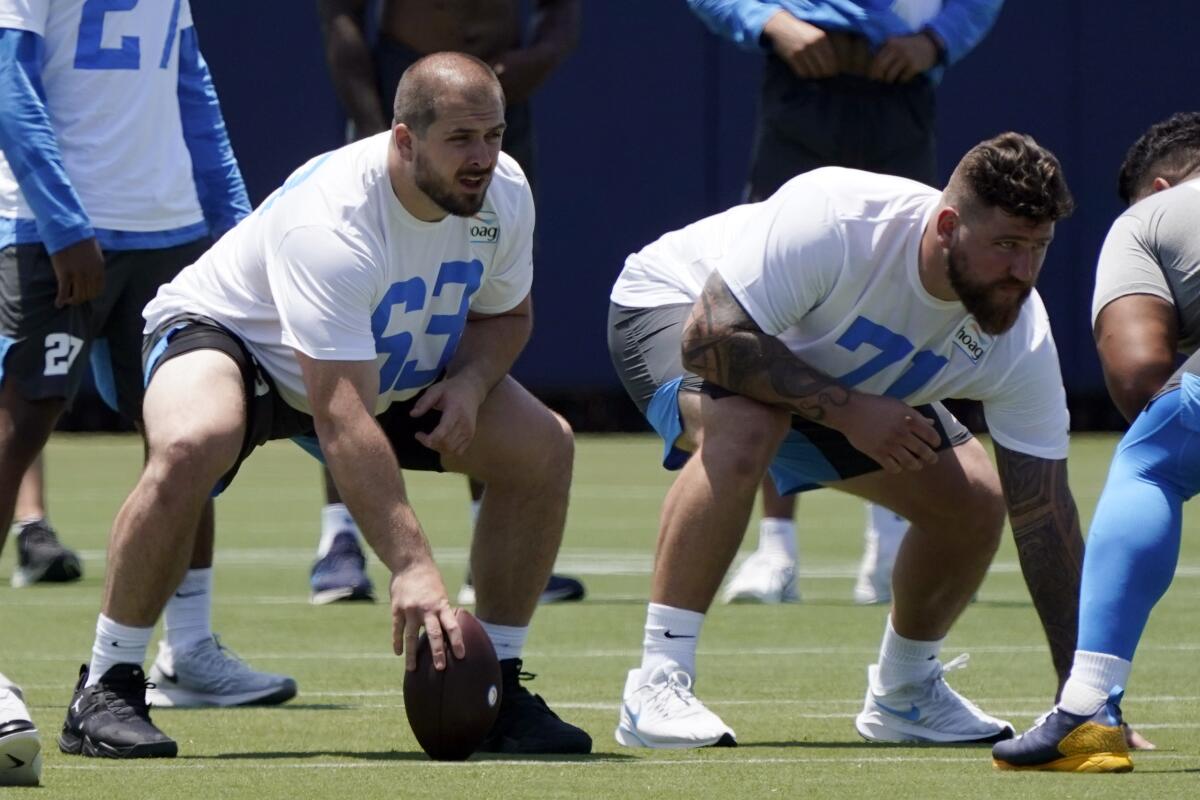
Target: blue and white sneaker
[
  {"x": 929, "y": 711},
  {"x": 341, "y": 573},
  {"x": 559, "y": 589},
  {"x": 209, "y": 674},
  {"x": 1065, "y": 742}
]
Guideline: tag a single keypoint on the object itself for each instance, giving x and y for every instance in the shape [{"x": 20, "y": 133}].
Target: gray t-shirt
[{"x": 1154, "y": 248}]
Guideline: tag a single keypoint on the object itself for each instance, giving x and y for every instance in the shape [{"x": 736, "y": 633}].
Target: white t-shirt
[
  {"x": 332, "y": 265},
  {"x": 829, "y": 264},
  {"x": 111, "y": 80}
]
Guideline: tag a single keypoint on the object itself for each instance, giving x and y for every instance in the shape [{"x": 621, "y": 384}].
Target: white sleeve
[
  {"x": 1029, "y": 412},
  {"x": 511, "y": 278},
  {"x": 785, "y": 260},
  {"x": 323, "y": 290},
  {"x": 1127, "y": 266},
  {"x": 25, "y": 15}
]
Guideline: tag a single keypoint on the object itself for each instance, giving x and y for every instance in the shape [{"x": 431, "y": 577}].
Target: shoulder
[
  {"x": 509, "y": 194},
  {"x": 1030, "y": 335}
]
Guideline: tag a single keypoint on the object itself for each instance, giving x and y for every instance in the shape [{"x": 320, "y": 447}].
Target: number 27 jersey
[{"x": 333, "y": 266}]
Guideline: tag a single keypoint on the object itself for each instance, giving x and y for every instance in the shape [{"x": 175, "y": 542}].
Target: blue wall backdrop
[{"x": 648, "y": 125}]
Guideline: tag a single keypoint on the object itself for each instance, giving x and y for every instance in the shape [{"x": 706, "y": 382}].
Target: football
[{"x": 451, "y": 711}]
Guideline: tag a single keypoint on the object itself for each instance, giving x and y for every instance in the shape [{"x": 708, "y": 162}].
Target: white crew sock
[
  {"x": 1093, "y": 677},
  {"x": 777, "y": 535},
  {"x": 671, "y": 636},
  {"x": 905, "y": 661},
  {"x": 116, "y": 644},
  {"x": 508, "y": 640},
  {"x": 335, "y": 519},
  {"x": 187, "y": 619},
  {"x": 475, "y": 504}
]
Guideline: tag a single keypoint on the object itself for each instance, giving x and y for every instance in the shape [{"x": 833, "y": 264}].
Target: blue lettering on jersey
[
  {"x": 90, "y": 53},
  {"x": 397, "y": 373},
  {"x": 892, "y": 347},
  {"x": 296, "y": 179}
]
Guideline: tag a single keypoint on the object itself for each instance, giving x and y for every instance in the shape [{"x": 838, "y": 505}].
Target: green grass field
[{"x": 787, "y": 679}]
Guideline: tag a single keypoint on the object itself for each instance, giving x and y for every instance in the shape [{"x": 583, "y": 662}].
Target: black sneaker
[
  {"x": 526, "y": 724},
  {"x": 41, "y": 558},
  {"x": 110, "y": 719}
]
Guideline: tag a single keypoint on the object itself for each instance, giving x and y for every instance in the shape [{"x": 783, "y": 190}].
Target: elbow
[{"x": 1131, "y": 395}]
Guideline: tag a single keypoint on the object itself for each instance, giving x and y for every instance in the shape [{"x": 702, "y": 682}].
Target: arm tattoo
[
  {"x": 722, "y": 344},
  {"x": 1045, "y": 527}
]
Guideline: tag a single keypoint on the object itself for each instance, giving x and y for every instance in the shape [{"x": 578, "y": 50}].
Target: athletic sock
[
  {"x": 905, "y": 661},
  {"x": 475, "y": 504},
  {"x": 335, "y": 519},
  {"x": 671, "y": 637},
  {"x": 187, "y": 619},
  {"x": 1093, "y": 678},
  {"x": 116, "y": 644},
  {"x": 509, "y": 640},
  {"x": 777, "y": 536}
]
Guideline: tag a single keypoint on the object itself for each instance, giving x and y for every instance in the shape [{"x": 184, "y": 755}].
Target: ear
[
  {"x": 946, "y": 222},
  {"x": 403, "y": 138},
  {"x": 1159, "y": 184}
]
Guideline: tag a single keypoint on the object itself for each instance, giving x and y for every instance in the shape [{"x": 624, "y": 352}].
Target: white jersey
[
  {"x": 829, "y": 264},
  {"x": 111, "y": 79},
  {"x": 333, "y": 266}
]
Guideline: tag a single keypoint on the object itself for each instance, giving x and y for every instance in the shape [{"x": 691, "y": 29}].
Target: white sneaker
[
  {"x": 763, "y": 578},
  {"x": 662, "y": 713},
  {"x": 874, "y": 584},
  {"x": 210, "y": 675},
  {"x": 20, "y": 750},
  {"x": 926, "y": 712}
]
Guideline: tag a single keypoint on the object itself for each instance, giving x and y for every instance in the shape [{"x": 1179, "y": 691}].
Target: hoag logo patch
[
  {"x": 971, "y": 340},
  {"x": 484, "y": 228}
]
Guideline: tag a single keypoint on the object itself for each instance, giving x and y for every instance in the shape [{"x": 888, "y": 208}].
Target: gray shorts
[
  {"x": 44, "y": 349},
  {"x": 645, "y": 346}
]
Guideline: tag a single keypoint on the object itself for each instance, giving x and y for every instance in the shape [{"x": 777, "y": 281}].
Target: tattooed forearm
[
  {"x": 722, "y": 344},
  {"x": 1046, "y": 529}
]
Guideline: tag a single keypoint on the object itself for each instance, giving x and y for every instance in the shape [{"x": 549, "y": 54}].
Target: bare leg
[
  {"x": 195, "y": 416},
  {"x": 774, "y": 505},
  {"x": 31, "y": 496},
  {"x": 706, "y": 510},
  {"x": 24, "y": 428},
  {"x": 523, "y": 452},
  {"x": 946, "y": 552}
]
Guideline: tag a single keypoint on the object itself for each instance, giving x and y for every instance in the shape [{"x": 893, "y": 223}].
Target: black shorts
[
  {"x": 268, "y": 417},
  {"x": 44, "y": 350}
]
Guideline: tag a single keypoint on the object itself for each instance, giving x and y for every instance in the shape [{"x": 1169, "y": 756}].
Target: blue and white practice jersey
[
  {"x": 829, "y": 264},
  {"x": 333, "y": 266},
  {"x": 110, "y": 75}
]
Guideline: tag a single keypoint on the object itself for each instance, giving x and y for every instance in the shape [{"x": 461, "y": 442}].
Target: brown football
[{"x": 451, "y": 711}]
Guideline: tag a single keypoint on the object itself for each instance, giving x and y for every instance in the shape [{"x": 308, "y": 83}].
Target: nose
[{"x": 1022, "y": 265}]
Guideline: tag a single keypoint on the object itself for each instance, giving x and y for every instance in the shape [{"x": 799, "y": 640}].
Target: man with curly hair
[
  {"x": 1146, "y": 313},
  {"x": 813, "y": 335}
]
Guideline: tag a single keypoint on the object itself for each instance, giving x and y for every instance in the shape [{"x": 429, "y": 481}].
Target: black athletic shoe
[
  {"x": 110, "y": 719},
  {"x": 526, "y": 724},
  {"x": 41, "y": 558}
]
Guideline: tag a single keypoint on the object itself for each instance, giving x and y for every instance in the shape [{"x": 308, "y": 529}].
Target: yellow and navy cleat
[{"x": 1064, "y": 742}]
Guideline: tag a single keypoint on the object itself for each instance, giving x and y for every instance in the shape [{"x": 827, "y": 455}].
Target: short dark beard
[
  {"x": 982, "y": 300},
  {"x": 442, "y": 192}
]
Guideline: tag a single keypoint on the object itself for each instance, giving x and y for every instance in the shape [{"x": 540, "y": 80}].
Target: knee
[
  {"x": 987, "y": 512},
  {"x": 187, "y": 459},
  {"x": 743, "y": 444},
  {"x": 559, "y": 456}
]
